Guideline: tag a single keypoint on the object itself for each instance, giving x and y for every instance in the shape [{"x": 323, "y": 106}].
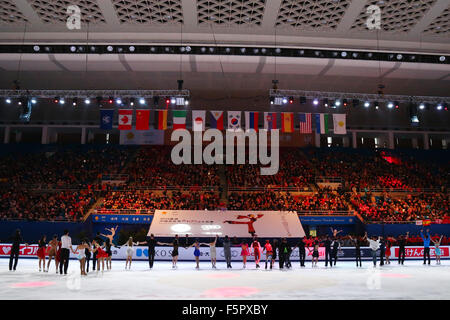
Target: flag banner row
[{"x": 234, "y": 120}]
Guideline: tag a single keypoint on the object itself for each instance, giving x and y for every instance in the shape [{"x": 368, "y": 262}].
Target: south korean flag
[{"x": 234, "y": 120}]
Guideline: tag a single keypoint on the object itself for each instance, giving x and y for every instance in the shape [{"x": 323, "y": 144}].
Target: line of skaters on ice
[{"x": 101, "y": 250}]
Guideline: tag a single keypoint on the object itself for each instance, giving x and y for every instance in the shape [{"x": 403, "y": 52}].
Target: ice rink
[{"x": 345, "y": 281}]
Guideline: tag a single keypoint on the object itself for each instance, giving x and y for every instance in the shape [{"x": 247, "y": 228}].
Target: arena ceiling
[{"x": 415, "y": 26}]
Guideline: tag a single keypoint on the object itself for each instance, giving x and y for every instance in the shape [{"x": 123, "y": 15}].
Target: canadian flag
[{"x": 125, "y": 117}]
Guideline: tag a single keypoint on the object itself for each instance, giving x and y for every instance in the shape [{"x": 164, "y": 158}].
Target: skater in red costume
[
  {"x": 244, "y": 253},
  {"x": 256, "y": 246}
]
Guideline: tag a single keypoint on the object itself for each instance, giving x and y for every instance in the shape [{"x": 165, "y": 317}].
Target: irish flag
[
  {"x": 179, "y": 119},
  {"x": 287, "y": 122},
  {"x": 161, "y": 119},
  {"x": 321, "y": 123}
]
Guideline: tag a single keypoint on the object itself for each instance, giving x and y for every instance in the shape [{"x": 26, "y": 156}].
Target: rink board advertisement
[
  {"x": 164, "y": 253},
  {"x": 241, "y": 224}
]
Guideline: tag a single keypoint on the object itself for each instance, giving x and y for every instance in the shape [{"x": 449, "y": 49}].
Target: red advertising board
[{"x": 417, "y": 252}]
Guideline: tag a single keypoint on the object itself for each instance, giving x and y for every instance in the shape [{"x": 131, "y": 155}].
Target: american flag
[{"x": 305, "y": 123}]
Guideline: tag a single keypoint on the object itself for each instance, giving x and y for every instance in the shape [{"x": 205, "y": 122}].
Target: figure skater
[
  {"x": 274, "y": 251},
  {"x": 374, "y": 245},
  {"x": 437, "y": 250},
  {"x": 151, "y": 244},
  {"x": 357, "y": 244},
  {"x": 212, "y": 251},
  {"x": 196, "y": 245},
  {"x": 269, "y": 253},
  {"x": 315, "y": 254},
  {"x": 108, "y": 243},
  {"x": 336, "y": 246},
  {"x": 335, "y": 232},
  {"x": 256, "y": 247},
  {"x": 101, "y": 255},
  {"x": 58, "y": 255},
  {"x": 244, "y": 253},
  {"x": 388, "y": 252},
  {"x": 175, "y": 244},
  {"x": 87, "y": 253},
  {"x": 81, "y": 255},
  {"x": 42, "y": 252},
  {"x": 130, "y": 252},
  {"x": 53, "y": 247},
  {"x": 401, "y": 247},
  {"x": 301, "y": 251},
  {"x": 227, "y": 251},
  {"x": 426, "y": 246},
  {"x": 15, "y": 250}
]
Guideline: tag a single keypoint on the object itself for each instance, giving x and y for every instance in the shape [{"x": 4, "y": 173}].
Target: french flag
[
  {"x": 270, "y": 120},
  {"x": 217, "y": 120},
  {"x": 251, "y": 120}
]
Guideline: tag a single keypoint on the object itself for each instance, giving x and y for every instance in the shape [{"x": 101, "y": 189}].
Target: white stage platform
[{"x": 411, "y": 281}]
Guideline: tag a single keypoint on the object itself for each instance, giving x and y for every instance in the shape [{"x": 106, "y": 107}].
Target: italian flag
[
  {"x": 161, "y": 118},
  {"x": 179, "y": 119}
]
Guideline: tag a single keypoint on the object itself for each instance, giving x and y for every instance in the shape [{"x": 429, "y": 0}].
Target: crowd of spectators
[
  {"x": 176, "y": 200},
  {"x": 71, "y": 167},
  {"x": 153, "y": 166},
  {"x": 37, "y": 206},
  {"x": 294, "y": 171},
  {"x": 64, "y": 183}
]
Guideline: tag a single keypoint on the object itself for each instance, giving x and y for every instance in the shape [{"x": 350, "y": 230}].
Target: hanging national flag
[
  {"x": 234, "y": 120},
  {"x": 305, "y": 123},
  {"x": 270, "y": 120},
  {"x": 179, "y": 119},
  {"x": 106, "y": 119},
  {"x": 142, "y": 119},
  {"x": 321, "y": 123},
  {"x": 198, "y": 120},
  {"x": 217, "y": 120},
  {"x": 161, "y": 119},
  {"x": 125, "y": 118},
  {"x": 251, "y": 120},
  {"x": 339, "y": 123},
  {"x": 287, "y": 122}
]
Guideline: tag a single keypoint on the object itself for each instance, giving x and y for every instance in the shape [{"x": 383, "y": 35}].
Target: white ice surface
[{"x": 411, "y": 281}]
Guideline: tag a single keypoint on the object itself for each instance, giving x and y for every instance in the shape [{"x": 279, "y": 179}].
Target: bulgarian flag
[
  {"x": 179, "y": 119},
  {"x": 161, "y": 118},
  {"x": 287, "y": 122},
  {"x": 142, "y": 119},
  {"x": 321, "y": 123}
]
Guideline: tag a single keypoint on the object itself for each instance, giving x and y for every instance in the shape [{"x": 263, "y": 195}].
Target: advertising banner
[
  {"x": 122, "y": 218},
  {"x": 417, "y": 252},
  {"x": 328, "y": 220},
  {"x": 163, "y": 253},
  {"x": 142, "y": 137},
  {"x": 241, "y": 224}
]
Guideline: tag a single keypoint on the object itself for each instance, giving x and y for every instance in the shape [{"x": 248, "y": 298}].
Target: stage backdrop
[{"x": 241, "y": 224}]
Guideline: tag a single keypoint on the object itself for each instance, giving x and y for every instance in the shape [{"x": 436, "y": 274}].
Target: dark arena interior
[{"x": 199, "y": 150}]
